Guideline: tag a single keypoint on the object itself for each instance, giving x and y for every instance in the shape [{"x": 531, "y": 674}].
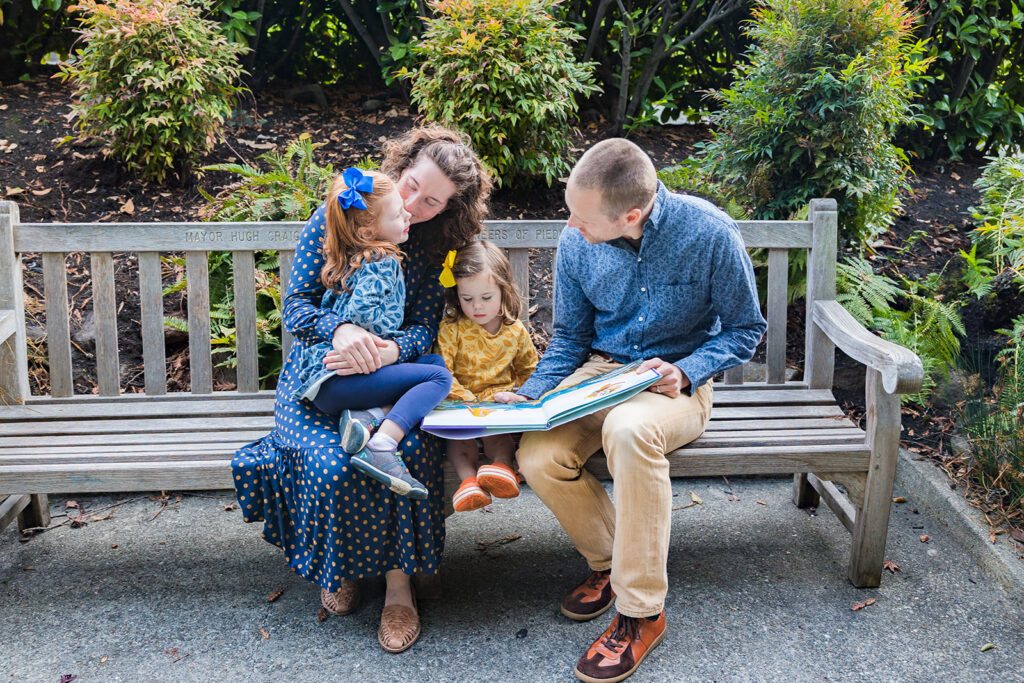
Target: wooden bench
[{"x": 114, "y": 441}]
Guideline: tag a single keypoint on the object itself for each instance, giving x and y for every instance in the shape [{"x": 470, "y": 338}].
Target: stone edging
[{"x": 930, "y": 489}]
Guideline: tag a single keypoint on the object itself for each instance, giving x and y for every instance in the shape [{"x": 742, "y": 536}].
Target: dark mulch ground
[{"x": 71, "y": 182}]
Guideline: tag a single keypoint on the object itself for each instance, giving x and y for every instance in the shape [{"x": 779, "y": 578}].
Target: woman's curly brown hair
[{"x": 462, "y": 219}]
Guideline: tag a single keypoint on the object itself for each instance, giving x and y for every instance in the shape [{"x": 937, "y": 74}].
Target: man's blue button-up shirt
[{"x": 687, "y": 296}]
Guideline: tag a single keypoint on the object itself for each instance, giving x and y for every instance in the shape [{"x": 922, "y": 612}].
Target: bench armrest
[
  {"x": 7, "y": 326},
  {"x": 901, "y": 369}
]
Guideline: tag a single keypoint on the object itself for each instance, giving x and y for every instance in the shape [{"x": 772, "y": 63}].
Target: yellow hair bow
[{"x": 447, "y": 279}]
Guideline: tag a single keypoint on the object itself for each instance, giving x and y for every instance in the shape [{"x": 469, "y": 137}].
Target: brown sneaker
[
  {"x": 590, "y": 599},
  {"x": 620, "y": 649}
]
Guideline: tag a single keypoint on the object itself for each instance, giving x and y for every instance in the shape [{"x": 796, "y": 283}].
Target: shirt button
[
  {"x": 641, "y": 318},
  {"x": 635, "y": 346},
  {"x": 638, "y": 259},
  {"x": 643, "y": 289}
]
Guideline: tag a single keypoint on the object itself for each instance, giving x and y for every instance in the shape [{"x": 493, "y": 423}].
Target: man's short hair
[{"x": 621, "y": 172}]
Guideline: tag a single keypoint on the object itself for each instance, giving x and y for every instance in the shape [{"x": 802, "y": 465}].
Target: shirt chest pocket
[{"x": 687, "y": 304}]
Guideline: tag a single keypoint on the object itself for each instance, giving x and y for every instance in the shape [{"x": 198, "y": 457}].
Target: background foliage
[
  {"x": 503, "y": 72},
  {"x": 153, "y": 80}
]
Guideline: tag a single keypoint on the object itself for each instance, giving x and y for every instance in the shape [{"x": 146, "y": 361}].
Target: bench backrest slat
[
  {"x": 154, "y": 354},
  {"x": 244, "y": 270},
  {"x": 197, "y": 274},
  {"x": 778, "y": 281},
  {"x": 58, "y": 331},
  {"x": 13, "y": 350},
  {"x": 104, "y": 305},
  {"x": 196, "y": 240},
  {"x": 287, "y": 256}
]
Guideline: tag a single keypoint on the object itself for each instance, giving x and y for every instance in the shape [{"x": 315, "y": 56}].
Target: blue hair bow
[{"x": 357, "y": 182}]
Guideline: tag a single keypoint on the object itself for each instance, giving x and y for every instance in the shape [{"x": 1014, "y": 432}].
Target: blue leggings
[{"x": 414, "y": 389}]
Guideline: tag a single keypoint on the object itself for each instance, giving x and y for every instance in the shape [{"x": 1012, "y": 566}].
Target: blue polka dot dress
[{"x": 332, "y": 522}]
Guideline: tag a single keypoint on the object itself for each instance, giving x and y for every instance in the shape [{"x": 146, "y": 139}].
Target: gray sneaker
[
  {"x": 355, "y": 428},
  {"x": 387, "y": 468}
]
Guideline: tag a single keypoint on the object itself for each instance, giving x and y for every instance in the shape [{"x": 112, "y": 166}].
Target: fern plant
[{"x": 906, "y": 313}]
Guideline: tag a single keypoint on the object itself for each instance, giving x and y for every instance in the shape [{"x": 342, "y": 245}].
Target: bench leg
[
  {"x": 37, "y": 514},
  {"x": 804, "y": 495},
  {"x": 872, "y": 524}
]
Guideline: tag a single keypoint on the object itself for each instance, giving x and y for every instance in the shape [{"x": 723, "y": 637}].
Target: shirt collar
[{"x": 654, "y": 220}]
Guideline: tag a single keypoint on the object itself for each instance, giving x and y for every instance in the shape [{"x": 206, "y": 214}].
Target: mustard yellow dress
[{"x": 482, "y": 363}]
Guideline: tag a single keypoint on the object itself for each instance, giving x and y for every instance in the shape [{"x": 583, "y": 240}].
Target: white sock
[{"x": 381, "y": 442}]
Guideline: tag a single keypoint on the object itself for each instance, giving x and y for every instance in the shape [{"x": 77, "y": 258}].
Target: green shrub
[
  {"x": 814, "y": 112},
  {"x": 994, "y": 427},
  {"x": 999, "y": 236},
  {"x": 153, "y": 80},
  {"x": 973, "y": 96},
  {"x": 503, "y": 72}
]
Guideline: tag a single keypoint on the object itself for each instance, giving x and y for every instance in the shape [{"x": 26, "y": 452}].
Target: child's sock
[{"x": 382, "y": 442}]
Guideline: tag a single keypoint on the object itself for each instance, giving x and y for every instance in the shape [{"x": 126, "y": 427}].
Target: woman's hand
[{"x": 357, "y": 351}]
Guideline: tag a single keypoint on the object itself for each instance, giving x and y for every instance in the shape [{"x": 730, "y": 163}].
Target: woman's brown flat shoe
[
  {"x": 342, "y": 601},
  {"x": 399, "y": 627}
]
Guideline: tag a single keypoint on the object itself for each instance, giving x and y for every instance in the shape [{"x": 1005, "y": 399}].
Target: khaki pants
[{"x": 632, "y": 536}]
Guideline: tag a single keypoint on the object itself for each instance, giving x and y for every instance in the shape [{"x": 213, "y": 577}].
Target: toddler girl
[
  {"x": 362, "y": 273},
  {"x": 489, "y": 353}
]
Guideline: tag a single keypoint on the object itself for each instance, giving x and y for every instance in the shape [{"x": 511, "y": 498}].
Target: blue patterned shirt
[{"x": 687, "y": 296}]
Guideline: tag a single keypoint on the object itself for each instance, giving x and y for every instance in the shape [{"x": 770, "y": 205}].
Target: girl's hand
[
  {"x": 356, "y": 351},
  {"x": 509, "y": 397}
]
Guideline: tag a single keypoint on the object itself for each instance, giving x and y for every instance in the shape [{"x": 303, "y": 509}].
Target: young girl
[
  {"x": 489, "y": 353},
  {"x": 362, "y": 272}
]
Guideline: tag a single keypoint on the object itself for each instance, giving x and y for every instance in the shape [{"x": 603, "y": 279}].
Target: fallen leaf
[
  {"x": 257, "y": 145},
  {"x": 128, "y": 207},
  {"x": 321, "y": 615},
  {"x": 67, "y": 678},
  {"x": 275, "y": 595},
  {"x": 229, "y": 507},
  {"x": 113, "y": 545},
  {"x": 695, "y": 498},
  {"x": 100, "y": 519},
  {"x": 987, "y": 646},
  {"x": 11, "y": 191},
  {"x": 899, "y": 499},
  {"x": 891, "y": 566},
  {"x": 1017, "y": 535},
  {"x": 861, "y": 605},
  {"x": 954, "y": 176},
  {"x": 71, "y": 504},
  {"x": 28, "y": 569},
  {"x": 761, "y": 502},
  {"x": 263, "y": 632},
  {"x": 924, "y": 538}
]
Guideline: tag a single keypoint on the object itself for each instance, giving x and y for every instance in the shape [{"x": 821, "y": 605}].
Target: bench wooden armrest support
[
  {"x": 7, "y": 326},
  {"x": 891, "y": 370},
  {"x": 901, "y": 369}
]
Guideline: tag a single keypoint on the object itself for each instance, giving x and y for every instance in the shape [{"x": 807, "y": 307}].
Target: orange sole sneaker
[
  {"x": 498, "y": 480},
  {"x": 470, "y": 496}
]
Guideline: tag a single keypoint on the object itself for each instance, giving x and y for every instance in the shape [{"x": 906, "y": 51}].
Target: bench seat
[{"x": 126, "y": 443}]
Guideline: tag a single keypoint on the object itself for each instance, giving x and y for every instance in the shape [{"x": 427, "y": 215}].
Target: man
[{"x": 641, "y": 274}]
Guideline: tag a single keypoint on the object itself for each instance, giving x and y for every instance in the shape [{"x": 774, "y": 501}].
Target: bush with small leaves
[
  {"x": 503, "y": 72},
  {"x": 815, "y": 111},
  {"x": 154, "y": 81}
]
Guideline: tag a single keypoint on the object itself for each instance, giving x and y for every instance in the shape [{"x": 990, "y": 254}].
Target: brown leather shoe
[
  {"x": 591, "y": 598},
  {"x": 342, "y": 601},
  {"x": 399, "y": 627},
  {"x": 620, "y": 649}
]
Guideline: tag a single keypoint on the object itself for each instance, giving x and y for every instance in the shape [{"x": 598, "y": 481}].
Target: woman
[{"x": 335, "y": 525}]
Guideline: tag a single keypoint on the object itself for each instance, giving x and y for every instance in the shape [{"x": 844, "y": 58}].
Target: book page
[
  {"x": 485, "y": 414},
  {"x": 597, "y": 390}
]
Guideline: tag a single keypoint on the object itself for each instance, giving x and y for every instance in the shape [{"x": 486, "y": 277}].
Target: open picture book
[{"x": 469, "y": 420}]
